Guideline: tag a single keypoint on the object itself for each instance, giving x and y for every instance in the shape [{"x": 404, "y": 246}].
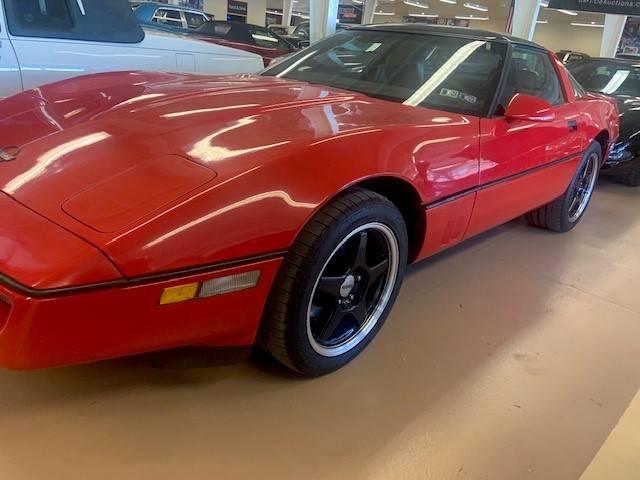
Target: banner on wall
[
  {"x": 349, "y": 14},
  {"x": 234, "y": 7},
  {"x": 619, "y": 7},
  {"x": 452, "y": 22},
  {"x": 630, "y": 38}
]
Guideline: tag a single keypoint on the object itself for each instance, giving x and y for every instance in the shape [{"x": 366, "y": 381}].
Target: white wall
[
  {"x": 217, "y": 8},
  {"x": 568, "y": 37}
]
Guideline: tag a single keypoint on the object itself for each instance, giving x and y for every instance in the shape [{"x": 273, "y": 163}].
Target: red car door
[{"x": 525, "y": 164}]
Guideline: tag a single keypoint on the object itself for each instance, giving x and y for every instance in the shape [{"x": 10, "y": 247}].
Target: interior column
[
  {"x": 525, "y": 15},
  {"x": 613, "y": 26},
  {"x": 369, "y": 9},
  {"x": 324, "y": 14},
  {"x": 287, "y": 11}
]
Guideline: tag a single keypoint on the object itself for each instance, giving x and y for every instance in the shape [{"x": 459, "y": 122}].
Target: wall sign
[
  {"x": 620, "y": 7},
  {"x": 349, "y": 14},
  {"x": 234, "y": 7}
]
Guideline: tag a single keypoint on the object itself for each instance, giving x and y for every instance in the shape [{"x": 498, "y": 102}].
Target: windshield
[
  {"x": 609, "y": 78},
  {"x": 448, "y": 73}
]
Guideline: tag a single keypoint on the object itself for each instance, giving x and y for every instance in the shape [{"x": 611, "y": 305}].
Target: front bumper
[{"x": 101, "y": 323}]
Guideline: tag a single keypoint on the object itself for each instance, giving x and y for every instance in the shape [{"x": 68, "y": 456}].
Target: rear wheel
[
  {"x": 565, "y": 212},
  {"x": 337, "y": 284}
]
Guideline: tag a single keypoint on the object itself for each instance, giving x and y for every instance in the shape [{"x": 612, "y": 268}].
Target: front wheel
[
  {"x": 337, "y": 284},
  {"x": 565, "y": 212}
]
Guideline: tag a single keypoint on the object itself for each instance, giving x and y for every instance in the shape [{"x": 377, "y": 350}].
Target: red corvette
[{"x": 143, "y": 212}]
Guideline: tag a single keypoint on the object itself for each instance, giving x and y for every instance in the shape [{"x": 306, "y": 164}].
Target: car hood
[{"x": 103, "y": 155}]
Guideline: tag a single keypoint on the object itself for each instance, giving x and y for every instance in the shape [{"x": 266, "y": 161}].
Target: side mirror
[{"x": 528, "y": 107}]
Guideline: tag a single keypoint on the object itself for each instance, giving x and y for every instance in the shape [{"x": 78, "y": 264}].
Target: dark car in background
[
  {"x": 170, "y": 17},
  {"x": 300, "y": 37},
  {"x": 570, "y": 56},
  {"x": 245, "y": 36},
  {"x": 620, "y": 79}
]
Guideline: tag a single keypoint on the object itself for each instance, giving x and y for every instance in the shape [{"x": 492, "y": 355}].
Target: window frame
[
  {"x": 507, "y": 66},
  {"x": 197, "y": 14},
  {"x": 161, "y": 20}
]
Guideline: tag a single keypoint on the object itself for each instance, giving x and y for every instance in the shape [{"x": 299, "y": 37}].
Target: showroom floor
[{"x": 512, "y": 356}]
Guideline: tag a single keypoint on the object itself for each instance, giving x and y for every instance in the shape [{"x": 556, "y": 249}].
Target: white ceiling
[{"x": 497, "y": 10}]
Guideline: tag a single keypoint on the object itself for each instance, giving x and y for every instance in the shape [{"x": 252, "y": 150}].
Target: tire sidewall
[
  {"x": 567, "y": 224},
  {"x": 379, "y": 211}
]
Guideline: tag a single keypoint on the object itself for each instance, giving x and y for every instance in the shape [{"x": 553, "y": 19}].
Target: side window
[
  {"x": 194, "y": 20},
  {"x": 532, "y": 73},
  {"x": 301, "y": 31},
  {"x": 578, "y": 91},
  {"x": 44, "y": 15},
  {"x": 168, "y": 17},
  {"x": 263, "y": 37}
]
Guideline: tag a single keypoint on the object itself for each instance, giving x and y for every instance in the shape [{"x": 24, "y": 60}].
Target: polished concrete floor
[{"x": 514, "y": 356}]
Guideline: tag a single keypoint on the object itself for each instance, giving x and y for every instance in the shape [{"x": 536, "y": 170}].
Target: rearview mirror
[{"x": 528, "y": 107}]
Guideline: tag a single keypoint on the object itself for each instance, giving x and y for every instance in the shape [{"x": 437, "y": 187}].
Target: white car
[{"x": 43, "y": 41}]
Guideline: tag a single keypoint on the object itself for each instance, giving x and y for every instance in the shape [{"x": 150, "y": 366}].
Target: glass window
[
  {"x": 194, "y": 20},
  {"x": 532, "y": 73},
  {"x": 302, "y": 30},
  {"x": 448, "y": 73},
  {"x": 263, "y": 37},
  {"x": 44, "y": 15},
  {"x": 168, "y": 17},
  {"x": 611, "y": 78},
  {"x": 89, "y": 20}
]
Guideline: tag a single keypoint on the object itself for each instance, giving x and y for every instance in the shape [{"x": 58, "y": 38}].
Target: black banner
[
  {"x": 234, "y": 7},
  {"x": 619, "y": 7}
]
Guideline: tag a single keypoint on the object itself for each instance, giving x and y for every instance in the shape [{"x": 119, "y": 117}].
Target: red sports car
[{"x": 149, "y": 211}]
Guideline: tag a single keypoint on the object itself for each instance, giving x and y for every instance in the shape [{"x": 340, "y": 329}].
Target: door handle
[{"x": 573, "y": 125}]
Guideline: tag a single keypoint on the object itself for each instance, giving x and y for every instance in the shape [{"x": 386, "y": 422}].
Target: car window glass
[
  {"x": 263, "y": 37},
  {"x": 531, "y": 73},
  {"x": 302, "y": 31},
  {"x": 51, "y": 15},
  {"x": 89, "y": 20},
  {"x": 448, "y": 73},
  {"x": 194, "y": 20},
  {"x": 168, "y": 17},
  {"x": 609, "y": 78}
]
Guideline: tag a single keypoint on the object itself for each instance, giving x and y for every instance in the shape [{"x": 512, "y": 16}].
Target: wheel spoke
[
  {"x": 360, "y": 312},
  {"x": 331, "y": 285},
  {"x": 361, "y": 255},
  {"x": 377, "y": 271},
  {"x": 332, "y": 324}
]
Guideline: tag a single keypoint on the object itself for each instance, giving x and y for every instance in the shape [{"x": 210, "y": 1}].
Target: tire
[
  {"x": 563, "y": 214},
  {"x": 326, "y": 282},
  {"x": 631, "y": 179}
]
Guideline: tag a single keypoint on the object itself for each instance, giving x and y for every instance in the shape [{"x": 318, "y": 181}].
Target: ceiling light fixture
[
  {"x": 471, "y": 17},
  {"x": 544, "y": 3},
  {"x": 384, "y": 13},
  {"x": 424, "y": 15},
  {"x": 592, "y": 24},
  {"x": 476, "y": 6},
  {"x": 542, "y": 21},
  {"x": 415, "y": 4},
  {"x": 567, "y": 12},
  {"x": 451, "y": 2}
]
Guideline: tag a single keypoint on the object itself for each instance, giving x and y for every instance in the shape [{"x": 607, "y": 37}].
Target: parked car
[
  {"x": 148, "y": 211},
  {"x": 43, "y": 41},
  {"x": 170, "y": 17},
  {"x": 245, "y": 36},
  {"x": 300, "y": 36},
  {"x": 281, "y": 29},
  {"x": 619, "y": 79},
  {"x": 569, "y": 56}
]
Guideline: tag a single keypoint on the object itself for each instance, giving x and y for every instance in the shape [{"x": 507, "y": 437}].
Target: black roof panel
[{"x": 425, "y": 28}]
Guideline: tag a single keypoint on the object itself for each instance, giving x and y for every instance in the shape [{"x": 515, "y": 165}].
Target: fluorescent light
[
  {"x": 544, "y": 3},
  {"x": 384, "y": 13},
  {"x": 542, "y": 21},
  {"x": 476, "y": 6},
  {"x": 471, "y": 17},
  {"x": 415, "y": 4},
  {"x": 567, "y": 12},
  {"x": 452, "y": 2},
  {"x": 273, "y": 12},
  {"x": 424, "y": 15},
  {"x": 592, "y": 24}
]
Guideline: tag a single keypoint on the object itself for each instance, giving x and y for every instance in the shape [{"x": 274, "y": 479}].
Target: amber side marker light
[{"x": 210, "y": 288}]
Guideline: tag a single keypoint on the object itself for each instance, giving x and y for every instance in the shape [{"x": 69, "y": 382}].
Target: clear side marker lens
[{"x": 232, "y": 283}]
